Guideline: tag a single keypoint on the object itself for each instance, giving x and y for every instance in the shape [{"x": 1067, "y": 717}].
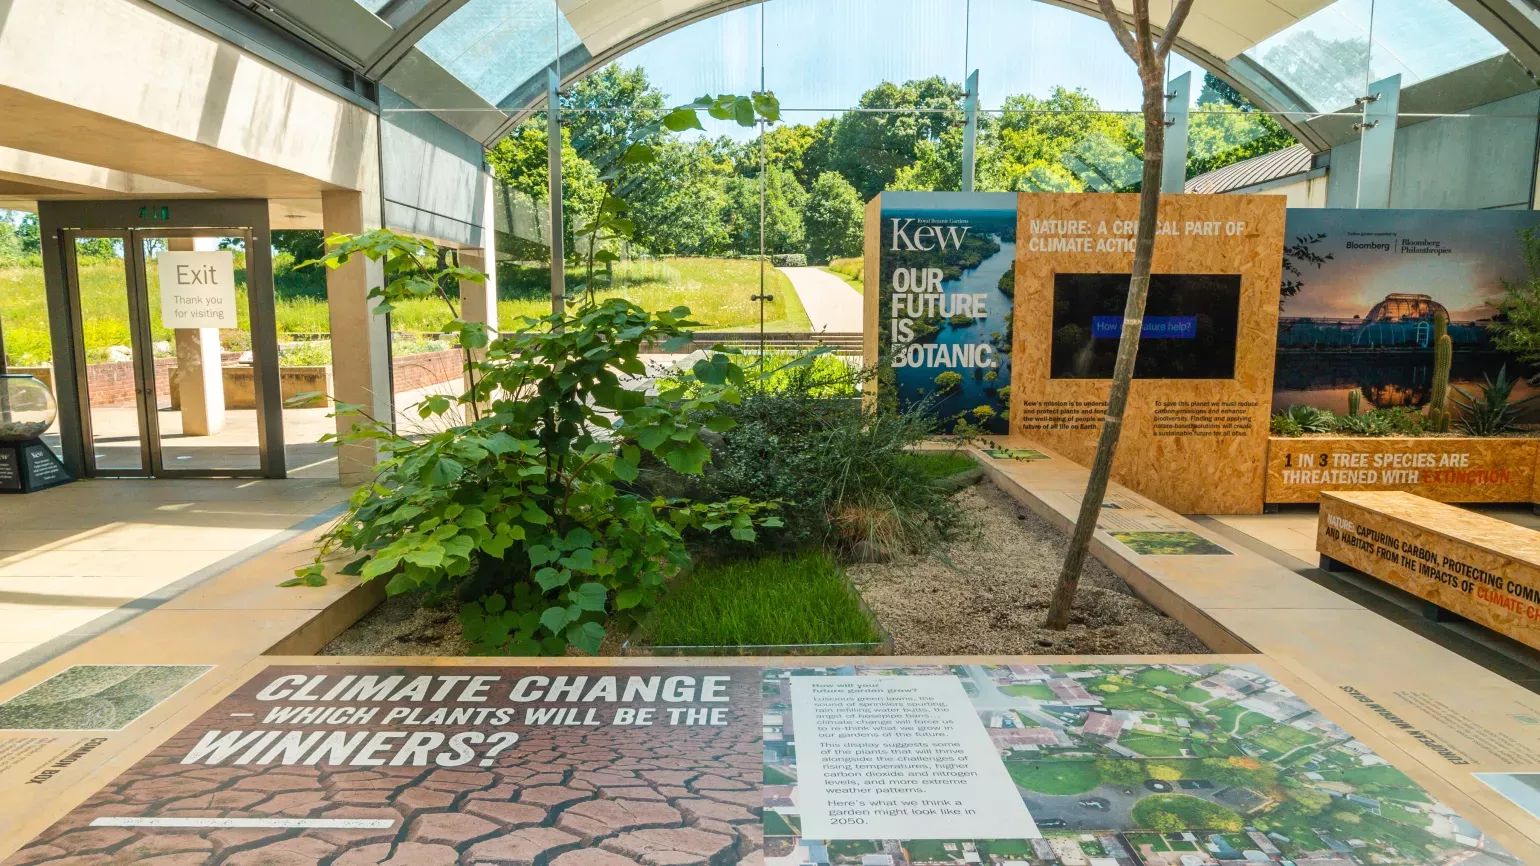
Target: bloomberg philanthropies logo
[{"x": 920, "y": 237}]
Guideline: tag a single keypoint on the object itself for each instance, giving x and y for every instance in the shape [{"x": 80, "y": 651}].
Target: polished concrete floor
[{"x": 72, "y": 556}]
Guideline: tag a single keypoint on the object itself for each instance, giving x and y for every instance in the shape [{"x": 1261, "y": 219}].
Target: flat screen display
[{"x": 1190, "y": 323}]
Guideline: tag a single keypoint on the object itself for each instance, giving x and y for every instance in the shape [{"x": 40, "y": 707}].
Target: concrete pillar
[
  {"x": 200, "y": 380},
  {"x": 360, "y": 339},
  {"x": 478, "y": 303}
]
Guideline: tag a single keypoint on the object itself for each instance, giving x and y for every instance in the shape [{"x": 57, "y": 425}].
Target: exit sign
[{"x": 162, "y": 212}]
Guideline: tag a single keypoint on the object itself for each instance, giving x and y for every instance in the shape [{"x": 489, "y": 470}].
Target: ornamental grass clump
[{"x": 843, "y": 470}]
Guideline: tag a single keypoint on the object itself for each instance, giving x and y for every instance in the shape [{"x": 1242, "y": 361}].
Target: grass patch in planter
[
  {"x": 942, "y": 464},
  {"x": 795, "y": 599}
]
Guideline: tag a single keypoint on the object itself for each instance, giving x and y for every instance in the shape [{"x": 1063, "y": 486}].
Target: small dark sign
[
  {"x": 10, "y": 470},
  {"x": 29, "y": 466}
]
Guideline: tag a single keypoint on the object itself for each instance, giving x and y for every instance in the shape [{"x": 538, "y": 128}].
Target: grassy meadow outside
[{"x": 716, "y": 290}]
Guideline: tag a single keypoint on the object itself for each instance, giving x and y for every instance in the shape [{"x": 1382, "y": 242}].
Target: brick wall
[
  {"x": 429, "y": 368},
  {"x": 112, "y": 383}
]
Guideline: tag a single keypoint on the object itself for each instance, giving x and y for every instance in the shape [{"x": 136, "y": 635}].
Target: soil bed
[
  {"x": 987, "y": 591},
  {"x": 984, "y": 593},
  {"x": 401, "y": 626}
]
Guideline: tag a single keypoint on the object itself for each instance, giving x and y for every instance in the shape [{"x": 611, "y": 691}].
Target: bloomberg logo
[{"x": 925, "y": 238}]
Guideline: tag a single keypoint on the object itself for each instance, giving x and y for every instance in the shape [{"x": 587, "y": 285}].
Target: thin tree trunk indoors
[{"x": 1151, "y": 60}]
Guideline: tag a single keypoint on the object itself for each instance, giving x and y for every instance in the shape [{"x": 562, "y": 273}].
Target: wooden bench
[{"x": 1477, "y": 567}]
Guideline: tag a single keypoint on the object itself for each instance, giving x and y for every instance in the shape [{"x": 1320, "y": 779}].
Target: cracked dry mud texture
[{"x": 564, "y": 796}]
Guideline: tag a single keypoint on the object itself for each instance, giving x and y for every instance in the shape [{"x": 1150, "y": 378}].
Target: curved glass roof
[
  {"x": 1328, "y": 57},
  {"x": 478, "y": 62},
  {"x": 495, "y": 46}
]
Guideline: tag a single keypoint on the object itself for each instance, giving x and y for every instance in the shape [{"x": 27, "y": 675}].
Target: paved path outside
[{"x": 832, "y": 305}]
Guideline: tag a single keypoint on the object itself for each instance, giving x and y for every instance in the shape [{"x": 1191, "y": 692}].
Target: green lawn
[
  {"x": 1172, "y": 812},
  {"x": 1154, "y": 840},
  {"x": 1152, "y": 745},
  {"x": 1193, "y": 695},
  {"x": 1229, "y": 713},
  {"x": 716, "y": 291},
  {"x": 777, "y": 825},
  {"x": 1134, "y": 698},
  {"x": 794, "y": 599},
  {"x": 1283, "y": 739},
  {"x": 772, "y": 776},
  {"x": 1055, "y": 777},
  {"x": 1015, "y": 849},
  {"x": 1162, "y": 677},
  {"x": 941, "y": 464},
  {"x": 1035, "y": 691}
]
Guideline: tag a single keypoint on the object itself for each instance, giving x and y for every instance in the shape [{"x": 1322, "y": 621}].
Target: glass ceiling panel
[
  {"x": 493, "y": 46},
  {"x": 1329, "y": 57}
]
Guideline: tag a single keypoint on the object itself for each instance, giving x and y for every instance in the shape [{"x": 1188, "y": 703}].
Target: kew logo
[{"x": 926, "y": 238}]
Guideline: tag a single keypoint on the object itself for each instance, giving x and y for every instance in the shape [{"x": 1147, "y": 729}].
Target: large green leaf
[
  {"x": 681, "y": 119},
  {"x": 587, "y": 636},
  {"x": 550, "y": 578},
  {"x": 590, "y": 596},
  {"x": 581, "y": 559},
  {"x": 555, "y": 618}
]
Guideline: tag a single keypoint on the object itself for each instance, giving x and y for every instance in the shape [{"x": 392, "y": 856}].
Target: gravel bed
[{"x": 987, "y": 591}]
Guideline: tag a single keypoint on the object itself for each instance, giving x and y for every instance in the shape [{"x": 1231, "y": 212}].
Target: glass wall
[
  {"x": 762, "y": 227},
  {"x": 24, "y": 340}
]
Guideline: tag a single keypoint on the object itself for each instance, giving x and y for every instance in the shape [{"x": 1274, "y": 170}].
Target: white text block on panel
[
  {"x": 197, "y": 290},
  {"x": 899, "y": 758}
]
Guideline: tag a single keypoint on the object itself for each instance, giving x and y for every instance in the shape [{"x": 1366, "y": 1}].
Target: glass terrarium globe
[{"x": 27, "y": 407}]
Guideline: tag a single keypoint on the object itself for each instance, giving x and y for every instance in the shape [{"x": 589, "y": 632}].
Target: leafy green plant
[
  {"x": 1284, "y": 425},
  {"x": 1518, "y": 322},
  {"x": 844, "y": 470},
  {"x": 1494, "y": 413},
  {"x": 524, "y": 512},
  {"x": 1405, "y": 421},
  {"x": 1308, "y": 419},
  {"x": 1395, "y": 421},
  {"x": 1367, "y": 424}
]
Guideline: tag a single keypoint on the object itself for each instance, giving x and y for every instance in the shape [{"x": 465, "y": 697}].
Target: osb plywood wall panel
[
  {"x": 1448, "y": 470},
  {"x": 1218, "y": 471},
  {"x": 1482, "y": 568}
]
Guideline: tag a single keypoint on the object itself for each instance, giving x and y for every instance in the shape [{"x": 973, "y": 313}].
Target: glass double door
[{"x": 167, "y": 369}]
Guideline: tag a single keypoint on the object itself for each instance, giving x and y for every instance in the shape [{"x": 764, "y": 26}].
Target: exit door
[{"x": 171, "y": 381}]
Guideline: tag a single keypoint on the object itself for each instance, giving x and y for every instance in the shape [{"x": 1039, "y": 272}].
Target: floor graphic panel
[{"x": 1175, "y": 762}]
